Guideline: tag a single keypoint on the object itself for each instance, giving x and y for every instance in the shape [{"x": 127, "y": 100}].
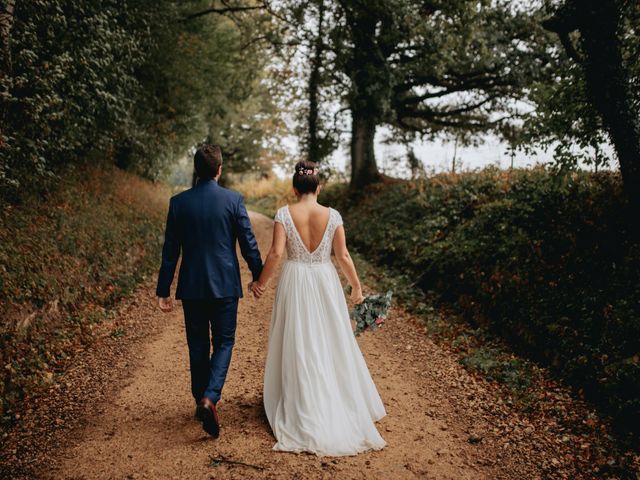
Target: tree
[
  {"x": 606, "y": 29},
  {"x": 365, "y": 64},
  {"x": 303, "y": 50},
  {"x": 428, "y": 68},
  {"x": 206, "y": 80},
  {"x": 66, "y": 84}
]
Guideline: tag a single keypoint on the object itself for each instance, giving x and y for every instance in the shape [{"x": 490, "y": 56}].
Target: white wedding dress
[{"x": 318, "y": 394}]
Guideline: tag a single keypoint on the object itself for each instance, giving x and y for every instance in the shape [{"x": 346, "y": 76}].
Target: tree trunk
[
  {"x": 608, "y": 84},
  {"x": 370, "y": 87},
  {"x": 455, "y": 154},
  {"x": 363, "y": 161},
  {"x": 607, "y": 79},
  {"x": 313, "y": 143}
]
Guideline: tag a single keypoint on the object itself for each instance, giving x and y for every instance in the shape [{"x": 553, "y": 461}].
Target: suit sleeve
[
  {"x": 248, "y": 243},
  {"x": 170, "y": 254}
]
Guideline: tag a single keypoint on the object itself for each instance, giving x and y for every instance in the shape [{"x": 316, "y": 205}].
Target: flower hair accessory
[{"x": 308, "y": 171}]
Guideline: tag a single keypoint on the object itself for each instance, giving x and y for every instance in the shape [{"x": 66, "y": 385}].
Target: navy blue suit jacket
[{"x": 205, "y": 222}]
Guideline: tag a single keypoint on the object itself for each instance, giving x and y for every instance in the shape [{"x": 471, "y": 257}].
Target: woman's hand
[
  {"x": 256, "y": 288},
  {"x": 356, "y": 296}
]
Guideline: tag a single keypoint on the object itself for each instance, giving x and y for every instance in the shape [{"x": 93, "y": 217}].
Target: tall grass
[{"x": 266, "y": 195}]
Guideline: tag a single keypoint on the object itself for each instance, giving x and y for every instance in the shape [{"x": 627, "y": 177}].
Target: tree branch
[
  {"x": 570, "y": 48},
  {"x": 565, "y": 21},
  {"x": 430, "y": 114},
  {"x": 416, "y": 99},
  {"x": 221, "y": 11},
  {"x": 470, "y": 123},
  {"x": 481, "y": 78}
]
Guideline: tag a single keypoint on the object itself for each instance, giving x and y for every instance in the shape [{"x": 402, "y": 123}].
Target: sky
[{"x": 437, "y": 155}]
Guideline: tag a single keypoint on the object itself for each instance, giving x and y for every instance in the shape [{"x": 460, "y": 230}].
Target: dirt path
[{"x": 436, "y": 415}]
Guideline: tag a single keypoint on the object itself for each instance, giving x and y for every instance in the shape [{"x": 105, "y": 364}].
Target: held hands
[
  {"x": 356, "y": 295},
  {"x": 256, "y": 288},
  {"x": 166, "y": 304}
]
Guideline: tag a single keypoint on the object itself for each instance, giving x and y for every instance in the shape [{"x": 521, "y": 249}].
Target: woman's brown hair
[{"x": 306, "y": 178}]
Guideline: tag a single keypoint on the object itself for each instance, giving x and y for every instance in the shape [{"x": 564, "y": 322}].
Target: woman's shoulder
[
  {"x": 335, "y": 214},
  {"x": 327, "y": 207},
  {"x": 280, "y": 214}
]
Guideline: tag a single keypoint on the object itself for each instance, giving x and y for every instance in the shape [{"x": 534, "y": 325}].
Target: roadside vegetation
[
  {"x": 547, "y": 263},
  {"x": 67, "y": 257}
]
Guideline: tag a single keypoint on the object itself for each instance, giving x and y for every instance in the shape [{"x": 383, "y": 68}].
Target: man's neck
[{"x": 206, "y": 180}]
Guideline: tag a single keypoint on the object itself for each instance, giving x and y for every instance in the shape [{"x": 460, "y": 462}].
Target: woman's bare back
[{"x": 311, "y": 221}]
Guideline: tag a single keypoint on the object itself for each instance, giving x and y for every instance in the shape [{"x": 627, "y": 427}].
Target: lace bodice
[{"x": 296, "y": 250}]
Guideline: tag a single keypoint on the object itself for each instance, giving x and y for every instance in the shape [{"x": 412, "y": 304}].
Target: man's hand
[
  {"x": 257, "y": 289},
  {"x": 166, "y": 304}
]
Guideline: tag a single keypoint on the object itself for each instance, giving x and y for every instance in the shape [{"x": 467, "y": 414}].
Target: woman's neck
[{"x": 308, "y": 198}]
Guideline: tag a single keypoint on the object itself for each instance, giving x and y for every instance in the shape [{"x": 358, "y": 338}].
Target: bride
[{"x": 318, "y": 394}]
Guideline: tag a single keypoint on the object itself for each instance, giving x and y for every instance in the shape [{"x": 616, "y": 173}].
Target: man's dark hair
[{"x": 207, "y": 161}]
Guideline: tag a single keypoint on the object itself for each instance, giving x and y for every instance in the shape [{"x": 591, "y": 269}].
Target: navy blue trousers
[{"x": 209, "y": 369}]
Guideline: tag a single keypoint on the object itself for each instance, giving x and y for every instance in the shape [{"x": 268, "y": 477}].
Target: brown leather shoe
[{"x": 208, "y": 415}]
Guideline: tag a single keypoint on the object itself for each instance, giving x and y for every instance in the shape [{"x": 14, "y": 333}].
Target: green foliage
[
  {"x": 130, "y": 81},
  {"x": 565, "y": 121},
  {"x": 69, "y": 84},
  {"x": 477, "y": 349},
  {"x": 202, "y": 79},
  {"x": 494, "y": 364},
  {"x": 456, "y": 69},
  {"x": 546, "y": 262},
  {"x": 66, "y": 259}
]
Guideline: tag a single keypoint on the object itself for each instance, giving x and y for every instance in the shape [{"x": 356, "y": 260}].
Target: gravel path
[{"x": 138, "y": 421}]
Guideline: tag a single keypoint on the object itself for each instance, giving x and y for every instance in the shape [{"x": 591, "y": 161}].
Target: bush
[
  {"x": 548, "y": 263},
  {"x": 66, "y": 258}
]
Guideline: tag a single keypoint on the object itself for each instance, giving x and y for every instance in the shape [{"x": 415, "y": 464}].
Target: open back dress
[{"x": 319, "y": 396}]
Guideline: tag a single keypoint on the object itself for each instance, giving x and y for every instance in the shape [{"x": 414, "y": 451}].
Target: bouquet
[{"x": 371, "y": 313}]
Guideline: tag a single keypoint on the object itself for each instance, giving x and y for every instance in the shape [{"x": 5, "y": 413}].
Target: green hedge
[
  {"x": 66, "y": 257},
  {"x": 547, "y": 263}
]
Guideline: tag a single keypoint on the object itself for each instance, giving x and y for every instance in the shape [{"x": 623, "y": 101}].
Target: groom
[{"x": 205, "y": 222}]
